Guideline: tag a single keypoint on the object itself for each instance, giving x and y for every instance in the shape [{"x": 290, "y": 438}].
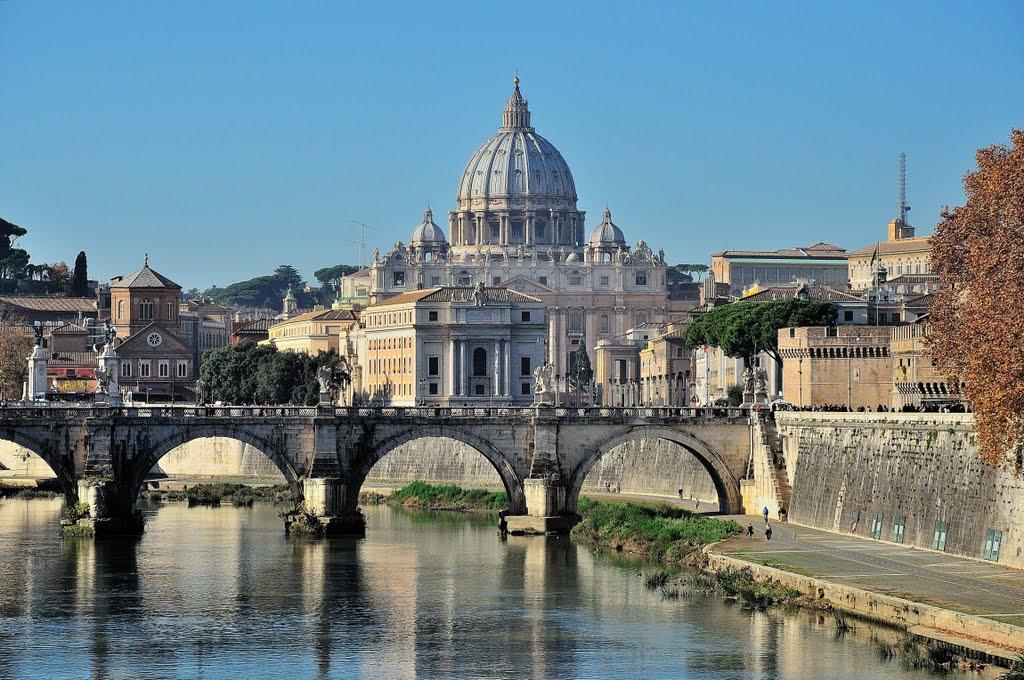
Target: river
[{"x": 221, "y": 592}]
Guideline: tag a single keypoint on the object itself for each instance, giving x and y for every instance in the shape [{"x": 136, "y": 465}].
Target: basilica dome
[
  {"x": 427, "y": 232},
  {"x": 606, "y": 233},
  {"x": 516, "y": 164}
]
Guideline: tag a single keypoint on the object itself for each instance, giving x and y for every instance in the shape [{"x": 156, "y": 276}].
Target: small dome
[
  {"x": 427, "y": 232},
  {"x": 606, "y": 233},
  {"x": 574, "y": 256}
]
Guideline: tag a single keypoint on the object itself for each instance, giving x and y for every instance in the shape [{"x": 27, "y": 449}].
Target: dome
[
  {"x": 606, "y": 233},
  {"x": 574, "y": 256},
  {"x": 427, "y": 232},
  {"x": 517, "y": 163}
]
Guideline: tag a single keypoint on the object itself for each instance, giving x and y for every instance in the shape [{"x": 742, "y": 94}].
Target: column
[
  {"x": 461, "y": 376},
  {"x": 509, "y": 392},
  {"x": 497, "y": 368},
  {"x": 450, "y": 389},
  {"x": 529, "y": 229}
]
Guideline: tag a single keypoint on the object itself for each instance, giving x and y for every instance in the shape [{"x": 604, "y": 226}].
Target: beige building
[
  {"x": 916, "y": 380},
  {"x": 842, "y": 365},
  {"x": 617, "y": 366},
  {"x": 901, "y": 255},
  {"x": 822, "y": 263},
  {"x": 517, "y": 225},
  {"x": 665, "y": 368},
  {"x": 452, "y": 346},
  {"x": 312, "y": 332}
]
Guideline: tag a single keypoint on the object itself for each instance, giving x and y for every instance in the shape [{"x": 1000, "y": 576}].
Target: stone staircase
[{"x": 770, "y": 438}]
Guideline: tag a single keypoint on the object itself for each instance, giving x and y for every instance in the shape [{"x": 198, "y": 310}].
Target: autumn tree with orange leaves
[{"x": 977, "y": 320}]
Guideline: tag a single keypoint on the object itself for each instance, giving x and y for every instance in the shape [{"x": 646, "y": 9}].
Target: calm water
[{"x": 220, "y": 592}]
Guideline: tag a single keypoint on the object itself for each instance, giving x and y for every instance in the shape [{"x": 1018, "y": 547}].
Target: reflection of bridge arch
[
  {"x": 510, "y": 478},
  {"x": 61, "y": 466},
  {"x": 195, "y": 432},
  {"x": 726, "y": 485}
]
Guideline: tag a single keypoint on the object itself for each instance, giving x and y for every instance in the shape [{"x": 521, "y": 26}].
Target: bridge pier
[
  {"x": 546, "y": 508},
  {"x": 333, "y": 502},
  {"x": 111, "y": 510}
]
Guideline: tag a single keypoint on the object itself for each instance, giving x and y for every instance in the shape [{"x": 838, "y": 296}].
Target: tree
[
  {"x": 742, "y": 329},
  {"x": 192, "y": 294},
  {"x": 58, "y": 275},
  {"x": 976, "y": 327},
  {"x": 12, "y": 260},
  {"x": 80, "y": 277},
  {"x": 16, "y": 340},
  {"x": 331, "y": 276},
  {"x": 265, "y": 291},
  {"x": 692, "y": 269},
  {"x": 735, "y": 394},
  {"x": 248, "y": 373},
  {"x": 580, "y": 373}
]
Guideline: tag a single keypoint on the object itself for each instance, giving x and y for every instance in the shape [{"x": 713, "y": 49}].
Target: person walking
[
  {"x": 696, "y": 504},
  {"x": 765, "y": 513},
  {"x": 750, "y": 531},
  {"x": 768, "y": 532}
]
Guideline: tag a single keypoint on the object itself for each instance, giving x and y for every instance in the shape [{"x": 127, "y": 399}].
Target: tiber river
[{"x": 222, "y": 593}]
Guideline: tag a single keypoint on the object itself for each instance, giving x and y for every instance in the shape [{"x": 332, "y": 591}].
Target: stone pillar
[
  {"x": 529, "y": 229},
  {"x": 546, "y": 503},
  {"x": 509, "y": 392},
  {"x": 450, "y": 389},
  {"x": 37, "y": 360},
  {"x": 497, "y": 368},
  {"x": 109, "y": 510},
  {"x": 328, "y": 499},
  {"x": 462, "y": 368},
  {"x": 109, "y": 364}
]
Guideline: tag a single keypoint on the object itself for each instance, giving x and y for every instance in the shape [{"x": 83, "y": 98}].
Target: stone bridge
[{"x": 102, "y": 455}]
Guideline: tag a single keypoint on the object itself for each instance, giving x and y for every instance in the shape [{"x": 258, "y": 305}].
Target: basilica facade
[{"x": 516, "y": 225}]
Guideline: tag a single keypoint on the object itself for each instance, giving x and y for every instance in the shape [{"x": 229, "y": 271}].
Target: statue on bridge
[{"x": 542, "y": 382}]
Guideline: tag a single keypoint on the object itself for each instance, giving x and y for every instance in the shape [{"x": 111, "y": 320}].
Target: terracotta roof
[
  {"x": 910, "y": 279},
  {"x": 923, "y": 298},
  {"x": 324, "y": 315},
  {"x": 73, "y": 359},
  {"x": 50, "y": 304},
  {"x": 257, "y": 326},
  {"x": 820, "y": 249},
  {"x": 69, "y": 329},
  {"x": 903, "y": 245},
  {"x": 143, "y": 278},
  {"x": 456, "y": 294},
  {"x": 813, "y": 292}
]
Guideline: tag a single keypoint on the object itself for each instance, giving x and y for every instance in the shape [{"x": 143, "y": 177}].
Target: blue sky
[{"x": 225, "y": 138}]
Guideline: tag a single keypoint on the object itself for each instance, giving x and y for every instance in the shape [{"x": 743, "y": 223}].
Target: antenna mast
[
  {"x": 362, "y": 240},
  {"x": 903, "y": 207}
]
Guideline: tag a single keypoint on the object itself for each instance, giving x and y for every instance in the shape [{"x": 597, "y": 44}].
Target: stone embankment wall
[{"x": 854, "y": 472}]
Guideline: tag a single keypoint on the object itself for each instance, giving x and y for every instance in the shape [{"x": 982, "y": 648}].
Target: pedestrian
[
  {"x": 768, "y": 532},
  {"x": 765, "y": 513},
  {"x": 680, "y": 492},
  {"x": 750, "y": 531},
  {"x": 696, "y": 504}
]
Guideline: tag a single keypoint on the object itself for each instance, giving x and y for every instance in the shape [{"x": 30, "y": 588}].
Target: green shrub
[
  {"x": 72, "y": 513},
  {"x": 448, "y": 497}
]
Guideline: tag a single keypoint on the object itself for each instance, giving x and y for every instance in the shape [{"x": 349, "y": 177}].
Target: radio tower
[{"x": 904, "y": 208}]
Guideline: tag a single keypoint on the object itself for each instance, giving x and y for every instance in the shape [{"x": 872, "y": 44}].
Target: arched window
[
  {"x": 146, "y": 310},
  {"x": 465, "y": 279},
  {"x": 576, "y": 322},
  {"x": 540, "y": 228},
  {"x": 480, "y": 361},
  {"x": 120, "y": 309},
  {"x": 641, "y": 318},
  {"x": 605, "y": 323}
]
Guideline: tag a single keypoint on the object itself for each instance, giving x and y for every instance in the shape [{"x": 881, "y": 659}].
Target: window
[
  {"x": 517, "y": 231},
  {"x": 542, "y": 280},
  {"x": 679, "y": 352},
  {"x": 143, "y": 369},
  {"x": 576, "y": 322},
  {"x": 495, "y": 280},
  {"x": 170, "y": 310},
  {"x": 479, "y": 391},
  {"x": 146, "y": 310},
  {"x": 525, "y": 317},
  {"x": 575, "y": 280},
  {"x": 540, "y": 228},
  {"x": 847, "y": 316},
  {"x": 182, "y": 369},
  {"x": 465, "y": 279},
  {"x": 604, "y": 324},
  {"x": 433, "y": 366},
  {"x": 876, "y": 527},
  {"x": 495, "y": 230},
  {"x": 126, "y": 369},
  {"x": 641, "y": 278},
  {"x": 641, "y": 318},
  {"x": 899, "y": 526},
  {"x": 398, "y": 278},
  {"x": 120, "y": 309},
  {"x": 432, "y": 388},
  {"x": 435, "y": 281},
  {"x": 604, "y": 281},
  {"x": 163, "y": 369},
  {"x": 431, "y": 316},
  {"x": 939, "y": 537},
  {"x": 480, "y": 362},
  {"x": 993, "y": 542},
  {"x": 524, "y": 366},
  {"x": 524, "y": 388}
]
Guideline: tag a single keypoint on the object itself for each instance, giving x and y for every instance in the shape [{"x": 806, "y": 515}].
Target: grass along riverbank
[
  {"x": 215, "y": 494},
  {"x": 438, "y": 497}
]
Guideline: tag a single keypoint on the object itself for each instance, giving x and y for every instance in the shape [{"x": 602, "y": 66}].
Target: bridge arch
[
  {"x": 510, "y": 478},
  {"x": 183, "y": 435},
  {"x": 727, "y": 486},
  {"x": 61, "y": 466}
]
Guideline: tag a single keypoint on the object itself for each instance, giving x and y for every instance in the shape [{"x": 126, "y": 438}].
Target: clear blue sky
[{"x": 225, "y": 138}]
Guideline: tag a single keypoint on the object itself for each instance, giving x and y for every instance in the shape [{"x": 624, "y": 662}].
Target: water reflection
[{"x": 221, "y": 592}]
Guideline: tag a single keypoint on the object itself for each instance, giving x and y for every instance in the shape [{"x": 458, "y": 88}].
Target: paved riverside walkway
[{"x": 927, "y": 576}]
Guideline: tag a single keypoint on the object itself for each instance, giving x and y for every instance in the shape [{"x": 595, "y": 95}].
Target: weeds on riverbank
[
  {"x": 742, "y": 585},
  {"x": 28, "y": 493},
  {"x": 661, "y": 533},
  {"x": 447, "y": 497},
  {"x": 215, "y": 494},
  {"x": 928, "y": 655},
  {"x": 372, "y": 498}
]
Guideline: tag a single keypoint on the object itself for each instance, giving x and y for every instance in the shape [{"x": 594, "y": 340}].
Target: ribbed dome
[
  {"x": 517, "y": 162},
  {"x": 427, "y": 231},
  {"x": 606, "y": 233}
]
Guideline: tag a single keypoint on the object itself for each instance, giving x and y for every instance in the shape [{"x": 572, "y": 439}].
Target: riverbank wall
[
  {"x": 911, "y": 479},
  {"x": 984, "y": 637}
]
